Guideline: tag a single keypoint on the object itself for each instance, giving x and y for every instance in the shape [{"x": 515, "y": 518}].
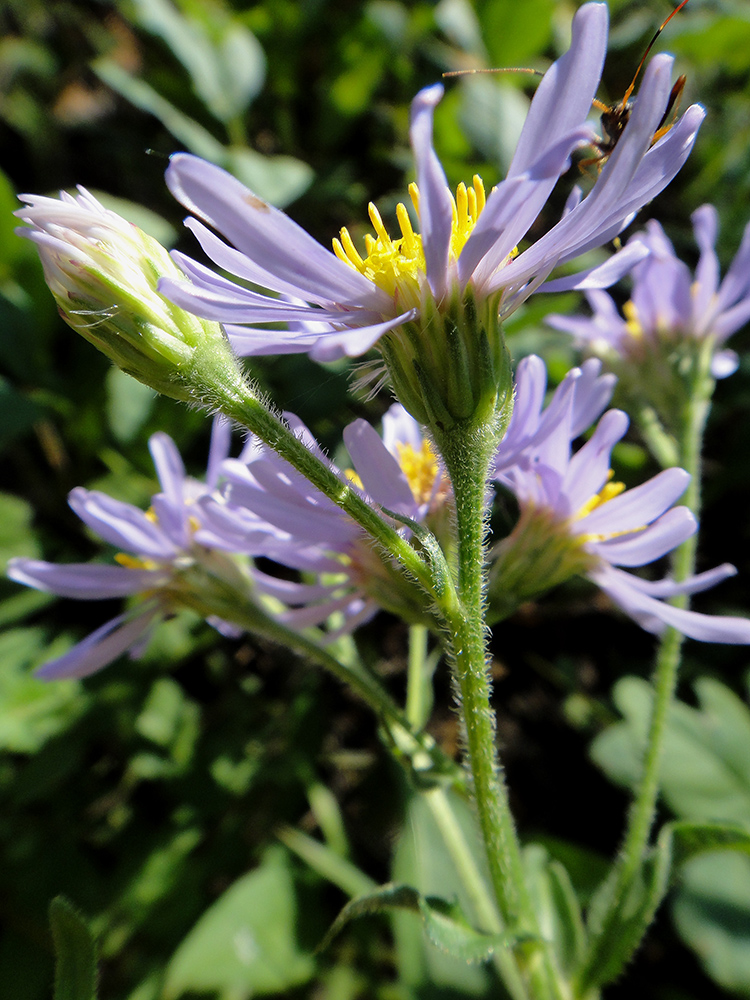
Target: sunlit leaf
[{"x": 245, "y": 943}]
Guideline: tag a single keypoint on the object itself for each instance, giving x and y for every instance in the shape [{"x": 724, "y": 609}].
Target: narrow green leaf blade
[
  {"x": 75, "y": 952},
  {"x": 444, "y": 923}
]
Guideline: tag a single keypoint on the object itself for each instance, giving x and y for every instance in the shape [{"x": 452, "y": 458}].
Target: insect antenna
[
  {"x": 650, "y": 45},
  {"x": 503, "y": 69}
]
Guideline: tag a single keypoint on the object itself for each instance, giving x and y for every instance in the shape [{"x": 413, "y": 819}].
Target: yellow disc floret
[
  {"x": 398, "y": 266},
  {"x": 633, "y": 323},
  {"x": 421, "y": 469},
  {"x": 607, "y": 492}
]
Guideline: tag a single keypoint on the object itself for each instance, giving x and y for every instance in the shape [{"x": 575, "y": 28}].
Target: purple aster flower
[
  {"x": 335, "y": 304},
  {"x": 163, "y": 543},
  {"x": 576, "y": 403},
  {"x": 266, "y": 508},
  {"x": 574, "y": 519},
  {"x": 669, "y": 304}
]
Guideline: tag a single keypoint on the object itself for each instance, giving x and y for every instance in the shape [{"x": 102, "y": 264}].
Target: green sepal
[
  {"x": 75, "y": 952},
  {"x": 444, "y": 922},
  {"x": 613, "y": 943}
]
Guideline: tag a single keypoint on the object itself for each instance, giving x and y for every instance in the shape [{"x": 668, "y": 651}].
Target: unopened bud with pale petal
[{"x": 103, "y": 271}]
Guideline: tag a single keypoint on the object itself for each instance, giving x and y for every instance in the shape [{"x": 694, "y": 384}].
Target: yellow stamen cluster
[
  {"x": 134, "y": 562},
  {"x": 398, "y": 266},
  {"x": 421, "y": 468},
  {"x": 607, "y": 492},
  {"x": 632, "y": 321}
]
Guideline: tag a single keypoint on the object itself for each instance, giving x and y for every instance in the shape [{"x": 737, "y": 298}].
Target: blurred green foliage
[{"x": 151, "y": 795}]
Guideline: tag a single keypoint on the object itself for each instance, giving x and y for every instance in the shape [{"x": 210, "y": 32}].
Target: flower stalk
[
  {"x": 467, "y": 451},
  {"x": 689, "y": 437}
]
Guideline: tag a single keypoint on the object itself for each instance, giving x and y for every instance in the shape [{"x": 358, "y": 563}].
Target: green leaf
[
  {"x": 705, "y": 780},
  {"x": 704, "y": 774},
  {"x": 32, "y": 711},
  {"x": 75, "y": 952},
  {"x": 129, "y": 404},
  {"x": 692, "y": 839},
  {"x": 556, "y": 905},
  {"x": 17, "y": 414},
  {"x": 194, "y": 136},
  {"x": 443, "y": 922},
  {"x": 423, "y": 861},
  {"x": 245, "y": 943},
  {"x": 226, "y": 63},
  {"x": 326, "y": 862},
  {"x": 17, "y": 537},
  {"x": 711, "y": 910},
  {"x": 613, "y": 943}
]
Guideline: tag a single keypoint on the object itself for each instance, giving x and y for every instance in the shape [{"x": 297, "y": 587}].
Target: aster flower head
[
  {"x": 103, "y": 273},
  {"x": 574, "y": 519},
  {"x": 672, "y": 312},
  {"x": 166, "y": 560},
  {"x": 266, "y": 508},
  {"x": 431, "y": 300}
]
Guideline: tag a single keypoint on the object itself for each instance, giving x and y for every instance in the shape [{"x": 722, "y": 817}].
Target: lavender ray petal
[
  {"x": 641, "y": 547},
  {"x": 85, "y": 581},
  {"x": 653, "y": 615},
  {"x": 592, "y": 394},
  {"x": 731, "y": 320},
  {"x": 662, "y": 296},
  {"x": 638, "y": 506},
  {"x": 705, "y": 226},
  {"x": 510, "y": 211},
  {"x": 435, "y": 202},
  {"x": 352, "y": 343},
  {"x": 172, "y": 519},
  {"x": 239, "y": 264},
  {"x": 315, "y": 614},
  {"x": 120, "y": 524},
  {"x": 240, "y": 305},
  {"x": 249, "y": 342},
  {"x": 221, "y": 442},
  {"x": 736, "y": 283},
  {"x": 724, "y": 363},
  {"x": 382, "y": 477},
  {"x": 617, "y": 192},
  {"x": 169, "y": 466},
  {"x": 291, "y": 592},
  {"x": 400, "y": 427},
  {"x": 601, "y": 275},
  {"x": 261, "y": 231},
  {"x": 588, "y": 469},
  {"x": 563, "y": 98},
  {"x": 101, "y": 647},
  {"x": 236, "y": 529},
  {"x": 693, "y": 585}
]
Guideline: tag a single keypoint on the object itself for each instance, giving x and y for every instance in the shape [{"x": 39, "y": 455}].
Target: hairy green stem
[
  {"x": 406, "y": 736},
  {"x": 230, "y": 393},
  {"x": 466, "y": 451}
]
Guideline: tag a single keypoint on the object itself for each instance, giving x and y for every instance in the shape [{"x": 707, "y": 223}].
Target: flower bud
[{"x": 103, "y": 271}]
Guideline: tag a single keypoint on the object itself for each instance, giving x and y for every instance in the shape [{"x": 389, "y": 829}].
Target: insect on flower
[{"x": 614, "y": 117}]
